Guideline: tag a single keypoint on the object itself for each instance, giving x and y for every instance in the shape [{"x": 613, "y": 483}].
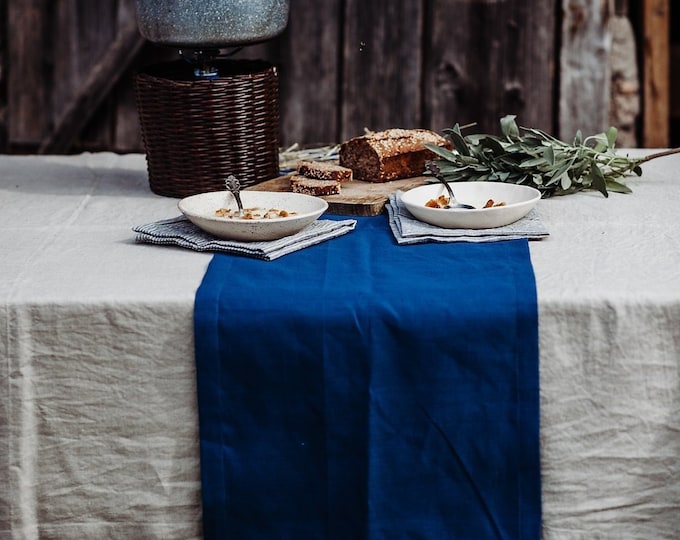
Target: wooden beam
[
  {"x": 486, "y": 59},
  {"x": 308, "y": 57},
  {"x": 585, "y": 76},
  {"x": 624, "y": 106},
  {"x": 656, "y": 69},
  {"x": 102, "y": 78},
  {"x": 382, "y": 66},
  {"x": 127, "y": 133},
  {"x": 27, "y": 110}
]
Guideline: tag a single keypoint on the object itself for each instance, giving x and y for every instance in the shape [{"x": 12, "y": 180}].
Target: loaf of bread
[
  {"x": 313, "y": 186},
  {"x": 324, "y": 170},
  {"x": 390, "y": 154}
]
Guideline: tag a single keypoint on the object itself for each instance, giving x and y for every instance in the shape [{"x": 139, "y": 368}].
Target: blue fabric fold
[{"x": 357, "y": 389}]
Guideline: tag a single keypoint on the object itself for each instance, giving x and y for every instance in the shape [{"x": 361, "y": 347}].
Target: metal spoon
[
  {"x": 232, "y": 184},
  {"x": 453, "y": 203},
  {"x": 432, "y": 167}
]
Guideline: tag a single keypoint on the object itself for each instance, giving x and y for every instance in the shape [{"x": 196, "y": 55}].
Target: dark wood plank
[
  {"x": 97, "y": 30},
  {"x": 82, "y": 31},
  {"x": 307, "y": 55},
  {"x": 27, "y": 92},
  {"x": 488, "y": 59},
  {"x": 126, "y": 133},
  {"x": 675, "y": 86},
  {"x": 94, "y": 89},
  {"x": 65, "y": 56},
  {"x": 656, "y": 74},
  {"x": 3, "y": 76},
  {"x": 309, "y": 73},
  {"x": 382, "y": 65}
]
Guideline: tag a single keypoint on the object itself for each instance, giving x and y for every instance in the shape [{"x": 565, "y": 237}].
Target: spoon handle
[
  {"x": 232, "y": 184},
  {"x": 453, "y": 202},
  {"x": 452, "y": 197}
]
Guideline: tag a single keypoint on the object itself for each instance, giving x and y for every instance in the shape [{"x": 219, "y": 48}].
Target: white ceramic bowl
[
  {"x": 200, "y": 210},
  {"x": 519, "y": 200}
]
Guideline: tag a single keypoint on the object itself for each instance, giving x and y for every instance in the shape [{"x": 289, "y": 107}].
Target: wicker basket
[{"x": 196, "y": 132}]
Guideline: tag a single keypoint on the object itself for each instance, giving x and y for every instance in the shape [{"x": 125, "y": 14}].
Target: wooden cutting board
[{"x": 356, "y": 198}]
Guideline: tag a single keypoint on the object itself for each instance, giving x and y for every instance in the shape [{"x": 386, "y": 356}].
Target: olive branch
[{"x": 535, "y": 158}]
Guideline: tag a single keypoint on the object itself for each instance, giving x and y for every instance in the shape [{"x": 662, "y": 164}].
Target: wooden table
[{"x": 100, "y": 431}]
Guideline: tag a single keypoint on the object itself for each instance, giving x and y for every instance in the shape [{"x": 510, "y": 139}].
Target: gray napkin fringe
[
  {"x": 179, "y": 231},
  {"x": 408, "y": 230}
]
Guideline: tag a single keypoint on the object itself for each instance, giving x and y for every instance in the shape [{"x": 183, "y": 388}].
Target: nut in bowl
[
  {"x": 267, "y": 215},
  {"x": 511, "y": 202}
]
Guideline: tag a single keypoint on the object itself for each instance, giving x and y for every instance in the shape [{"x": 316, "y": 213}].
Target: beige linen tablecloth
[
  {"x": 97, "y": 341},
  {"x": 98, "y": 425}
]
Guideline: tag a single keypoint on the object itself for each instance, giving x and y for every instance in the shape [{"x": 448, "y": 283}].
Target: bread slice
[
  {"x": 390, "y": 154},
  {"x": 324, "y": 170},
  {"x": 313, "y": 186}
]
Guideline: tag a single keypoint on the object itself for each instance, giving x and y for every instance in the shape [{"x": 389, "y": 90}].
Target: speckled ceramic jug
[{"x": 211, "y": 23}]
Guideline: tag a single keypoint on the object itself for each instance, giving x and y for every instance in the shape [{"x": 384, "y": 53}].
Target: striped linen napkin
[
  {"x": 408, "y": 230},
  {"x": 179, "y": 231}
]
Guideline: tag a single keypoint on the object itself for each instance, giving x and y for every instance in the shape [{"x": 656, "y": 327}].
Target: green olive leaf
[
  {"x": 441, "y": 151},
  {"x": 459, "y": 142},
  {"x": 611, "y": 134},
  {"x": 617, "y": 187},
  {"x": 549, "y": 155},
  {"x": 509, "y": 127},
  {"x": 601, "y": 142},
  {"x": 578, "y": 139},
  {"x": 597, "y": 180},
  {"x": 565, "y": 181},
  {"x": 492, "y": 144}
]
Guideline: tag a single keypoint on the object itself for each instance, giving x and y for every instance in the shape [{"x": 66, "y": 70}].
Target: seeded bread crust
[
  {"x": 324, "y": 171},
  {"x": 389, "y": 155},
  {"x": 313, "y": 186}
]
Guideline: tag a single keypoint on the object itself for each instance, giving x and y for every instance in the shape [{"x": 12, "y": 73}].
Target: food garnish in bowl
[
  {"x": 443, "y": 201},
  {"x": 439, "y": 202},
  {"x": 253, "y": 213}
]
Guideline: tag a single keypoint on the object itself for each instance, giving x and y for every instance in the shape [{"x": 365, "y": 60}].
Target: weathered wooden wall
[
  {"x": 585, "y": 83},
  {"x": 3, "y": 75},
  {"x": 487, "y": 59},
  {"x": 413, "y": 63},
  {"x": 63, "y": 62},
  {"x": 66, "y": 68}
]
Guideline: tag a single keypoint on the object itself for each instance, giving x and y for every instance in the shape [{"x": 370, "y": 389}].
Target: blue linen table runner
[{"x": 358, "y": 389}]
